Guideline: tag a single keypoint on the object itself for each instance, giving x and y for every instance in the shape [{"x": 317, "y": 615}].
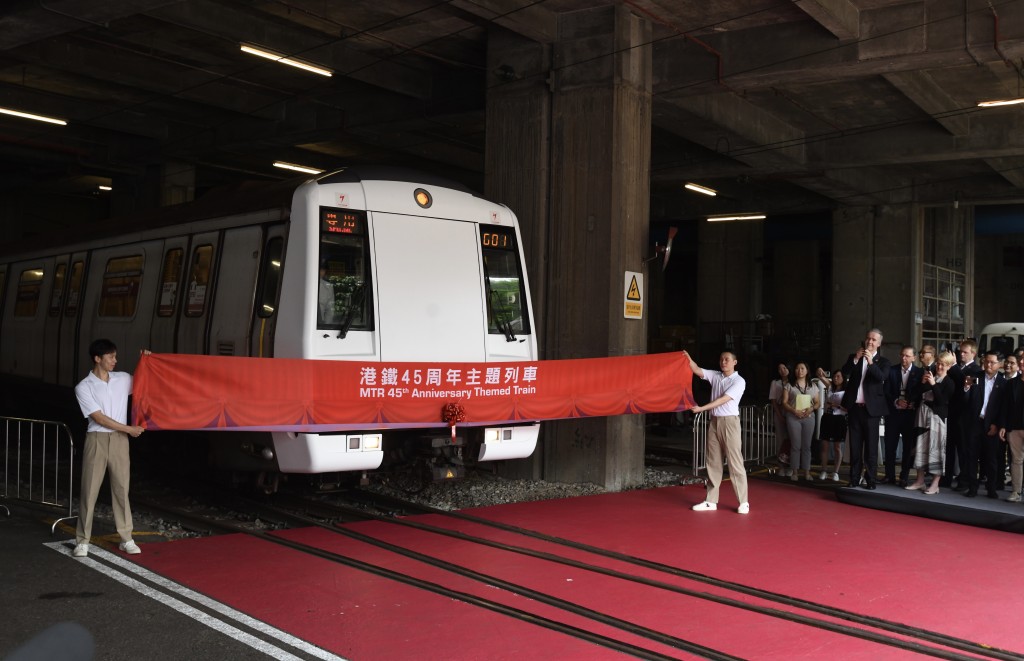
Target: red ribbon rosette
[{"x": 453, "y": 413}]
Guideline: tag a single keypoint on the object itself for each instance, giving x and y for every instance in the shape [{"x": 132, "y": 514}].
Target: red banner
[{"x": 178, "y": 391}]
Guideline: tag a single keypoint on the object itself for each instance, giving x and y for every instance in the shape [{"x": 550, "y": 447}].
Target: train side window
[
  {"x": 507, "y": 313},
  {"x": 170, "y": 280},
  {"x": 344, "y": 297},
  {"x": 30, "y": 284},
  {"x": 119, "y": 292},
  {"x": 270, "y": 279},
  {"x": 199, "y": 281},
  {"x": 74, "y": 289},
  {"x": 58, "y": 289}
]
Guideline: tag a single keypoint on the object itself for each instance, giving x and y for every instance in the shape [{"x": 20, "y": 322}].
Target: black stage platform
[{"x": 947, "y": 505}]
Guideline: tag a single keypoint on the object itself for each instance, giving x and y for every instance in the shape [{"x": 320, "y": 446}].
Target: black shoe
[
  {"x": 961, "y": 487},
  {"x": 870, "y": 486},
  {"x": 904, "y": 482},
  {"x": 885, "y": 480},
  {"x": 992, "y": 494},
  {"x": 945, "y": 483},
  {"x": 971, "y": 493},
  {"x": 848, "y": 486}
]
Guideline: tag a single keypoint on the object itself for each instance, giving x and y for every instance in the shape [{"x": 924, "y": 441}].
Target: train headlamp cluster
[
  {"x": 363, "y": 442},
  {"x": 497, "y": 434}
]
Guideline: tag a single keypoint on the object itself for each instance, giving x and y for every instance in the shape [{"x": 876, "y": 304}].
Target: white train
[{"x": 363, "y": 265}]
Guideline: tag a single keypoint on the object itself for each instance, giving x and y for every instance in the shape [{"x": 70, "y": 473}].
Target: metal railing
[
  {"x": 39, "y": 458},
  {"x": 757, "y": 436}
]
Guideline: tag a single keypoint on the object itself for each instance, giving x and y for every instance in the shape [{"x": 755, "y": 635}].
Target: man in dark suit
[
  {"x": 959, "y": 422},
  {"x": 899, "y": 419},
  {"x": 982, "y": 399},
  {"x": 864, "y": 399}
]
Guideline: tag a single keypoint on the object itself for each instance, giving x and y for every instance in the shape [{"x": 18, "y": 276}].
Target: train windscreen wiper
[{"x": 358, "y": 296}]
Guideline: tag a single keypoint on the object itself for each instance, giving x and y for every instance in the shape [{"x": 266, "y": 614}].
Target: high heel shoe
[
  {"x": 931, "y": 491},
  {"x": 914, "y": 487}
]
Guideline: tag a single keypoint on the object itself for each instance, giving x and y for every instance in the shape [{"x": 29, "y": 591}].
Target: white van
[{"x": 1005, "y": 337}]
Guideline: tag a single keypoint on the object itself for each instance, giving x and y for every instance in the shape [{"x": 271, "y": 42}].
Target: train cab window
[
  {"x": 57, "y": 294},
  {"x": 507, "y": 313},
  {"x": 270, "y": 278},
  {"x": 170, "y": 280},
  {"x": 344, "y": 297},
  {"x": 119, "y": 292},
  {"x": 30, "y": 284},
  {"x": 199, "y": 281}
]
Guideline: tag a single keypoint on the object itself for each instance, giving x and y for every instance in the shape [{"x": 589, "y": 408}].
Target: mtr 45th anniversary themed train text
[{"x": 366, "y": 266}]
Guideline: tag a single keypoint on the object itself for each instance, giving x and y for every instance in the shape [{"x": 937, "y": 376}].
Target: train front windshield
[
  {"x": 344, "y": 274},
  {"x": 507, "y": 313}
]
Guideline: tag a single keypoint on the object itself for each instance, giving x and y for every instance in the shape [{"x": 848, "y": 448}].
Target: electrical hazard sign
[{"x": 634, "y": 297}]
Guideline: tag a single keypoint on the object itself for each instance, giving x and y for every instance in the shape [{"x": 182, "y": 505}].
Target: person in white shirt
[
  {"x": 103, "y": 397},
  {"x": 727, "y": 388}
]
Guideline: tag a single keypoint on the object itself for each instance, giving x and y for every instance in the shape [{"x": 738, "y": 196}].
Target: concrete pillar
[
  {"x": 600, "y": 158},
  {"x": 568, "y": 149},
  {"x": 876, "y": 261}
]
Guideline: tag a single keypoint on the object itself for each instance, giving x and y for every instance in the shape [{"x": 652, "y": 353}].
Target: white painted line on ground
[{"x": 195, "y": 614}]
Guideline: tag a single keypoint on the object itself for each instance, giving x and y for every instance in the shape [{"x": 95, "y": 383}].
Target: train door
[
  {"x": 168, "y": 296},
  {"x": 231, "y": 316},
  {"x": 23, "y": 319},
  {"x": 429, "y": 289},
  {"x": 113, "y": 305},
  {"x": 71, "y": 366},
  {"x": 53, "y": 318},
  {"x": 268, "y": 294},
  {"x": 198, "y": 294}
]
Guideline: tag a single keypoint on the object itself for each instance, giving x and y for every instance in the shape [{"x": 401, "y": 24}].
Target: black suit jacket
[
  {"x": 1011, "y": 409},
  {"x": 874, "y": 384},
  {"x": 975, "y": 397},
  {"x": 895, "y": 381},
  {"x": 942, "y": 393}
]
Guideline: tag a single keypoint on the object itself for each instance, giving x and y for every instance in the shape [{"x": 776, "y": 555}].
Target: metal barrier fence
[
  {"x": 757, "y": 436},
  {"x": 39, "y": 457}
]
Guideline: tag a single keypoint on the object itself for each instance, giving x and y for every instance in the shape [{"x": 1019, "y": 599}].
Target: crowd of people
[{"x": 958, "y": 417}]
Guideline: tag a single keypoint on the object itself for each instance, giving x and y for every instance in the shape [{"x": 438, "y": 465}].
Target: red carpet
[{"x": 798, "y": 542}]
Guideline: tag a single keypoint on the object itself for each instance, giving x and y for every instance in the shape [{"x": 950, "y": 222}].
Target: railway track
[{"x": 293, "y": 510}]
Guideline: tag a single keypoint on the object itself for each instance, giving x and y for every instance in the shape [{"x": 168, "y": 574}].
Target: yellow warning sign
[
  {"x": 634, "y": 295},
  {"x": 633, "y": 292}
]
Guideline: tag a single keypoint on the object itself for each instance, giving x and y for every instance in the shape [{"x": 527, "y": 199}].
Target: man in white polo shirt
[
  {"x": 103, "y": 398},
  {"x": 727, "y": 388}
]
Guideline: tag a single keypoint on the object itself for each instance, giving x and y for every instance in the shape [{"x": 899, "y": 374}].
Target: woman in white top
[{"x": 800, "y": 400}]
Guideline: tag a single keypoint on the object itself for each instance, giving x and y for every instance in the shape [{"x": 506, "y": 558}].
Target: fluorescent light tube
[
  {"x": 697, "y": 188},
  {"x": 284, "y": 59},
  {"x": 297, "y": 168},
  {"x": 28, "y": 115},
  {"x": 737, "y": 216}
]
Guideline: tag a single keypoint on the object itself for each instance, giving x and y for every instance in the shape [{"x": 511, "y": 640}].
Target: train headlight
[
  {"x": 371, "y": 441},
  {"x": 492, "y": 435}
]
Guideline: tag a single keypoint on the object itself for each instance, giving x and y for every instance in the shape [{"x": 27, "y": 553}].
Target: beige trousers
[
  {"x": 1016, "y": 440},
  {"x": 105, "y": 452},
  {"x": 724, "y": 441}
]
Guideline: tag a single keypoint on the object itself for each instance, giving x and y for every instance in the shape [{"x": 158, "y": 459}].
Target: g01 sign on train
[{"x": 352, "y": 265}]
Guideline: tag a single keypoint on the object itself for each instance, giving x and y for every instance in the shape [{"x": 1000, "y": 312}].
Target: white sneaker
[
  {"x": 793, "y": 475},
  {"x": 129, "y": 547},
  {"x": 744, "y": 508},
  {"x": 835, "y": 477},
  {"x": 81, "y": 550},
  {"x": 810, "y": 478},
  {"x": 705, "y": 507},
  {"x": 823, "y": 476}
]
